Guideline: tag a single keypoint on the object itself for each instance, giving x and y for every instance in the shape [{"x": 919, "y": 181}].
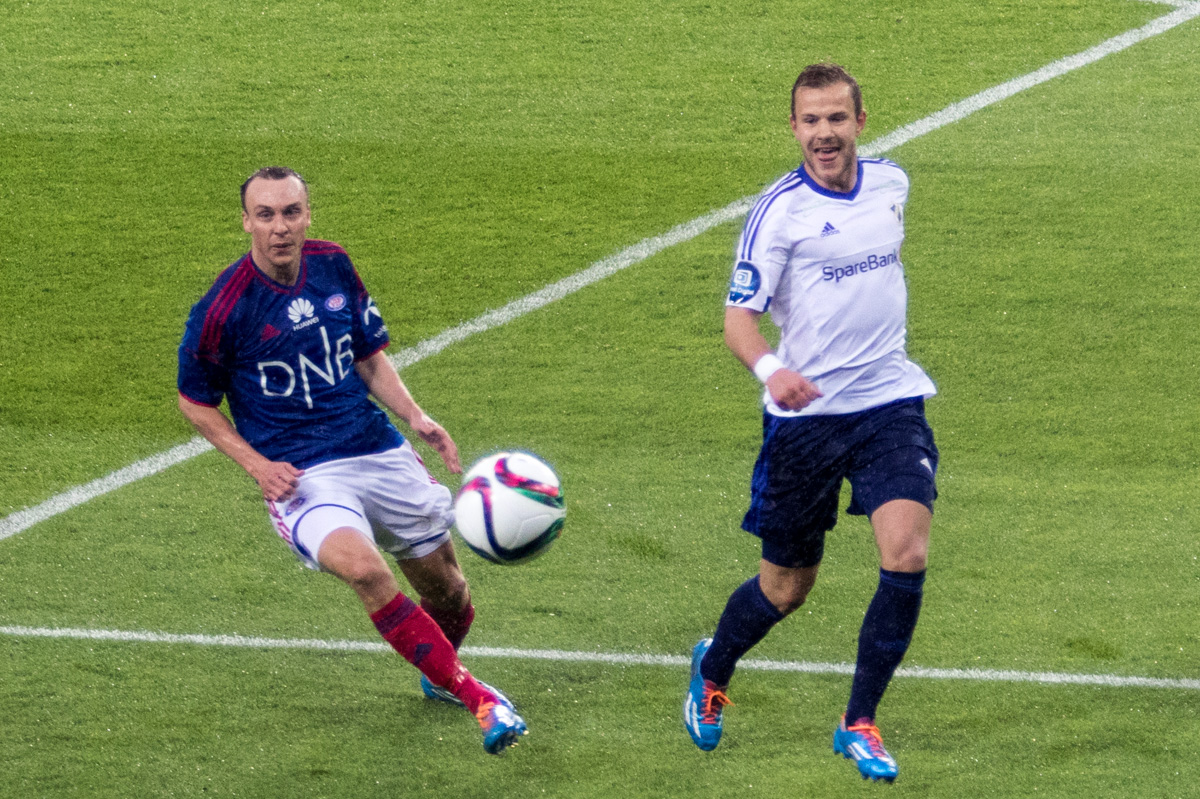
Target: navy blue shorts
[{"x": 886, "y": 452}]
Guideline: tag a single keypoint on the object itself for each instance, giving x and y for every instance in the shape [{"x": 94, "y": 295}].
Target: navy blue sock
[
  {"x": 747, "y": 619},
  {"x": 883, "y": 640}
]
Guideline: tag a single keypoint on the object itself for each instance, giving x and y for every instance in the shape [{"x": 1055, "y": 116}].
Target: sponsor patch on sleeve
[{"x": 745, "y": 283}]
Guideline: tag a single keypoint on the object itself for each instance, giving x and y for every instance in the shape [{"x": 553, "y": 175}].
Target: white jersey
[{"x": 827, "y": 266}]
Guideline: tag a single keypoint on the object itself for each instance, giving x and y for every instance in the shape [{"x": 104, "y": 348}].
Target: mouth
[{"x": 826, "y": 154}]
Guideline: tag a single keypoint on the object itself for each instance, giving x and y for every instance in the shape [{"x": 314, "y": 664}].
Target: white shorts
[{"x": 390, "y": 498}]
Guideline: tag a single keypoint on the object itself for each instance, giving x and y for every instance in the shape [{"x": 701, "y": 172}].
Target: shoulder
[
  {"x": 775, "y": 200},
  {"x": 228, "y": 286},
  {"x": 203, "y": 331},
  {"x": 883, "y": 169},
  {"x": 786, "y": 186},
  {"x": 333, "y": 263},
  {"x": 320, "y": 247}
]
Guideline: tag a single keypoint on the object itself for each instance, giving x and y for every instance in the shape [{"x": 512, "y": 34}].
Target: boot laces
[
  {"x": 874, "y": 740},
  {"x": 714, "y": 701}
]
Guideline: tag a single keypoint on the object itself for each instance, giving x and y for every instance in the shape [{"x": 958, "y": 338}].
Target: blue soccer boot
[
  {"x": 863, "y": 744},
  {"x": 501, "y": 726},
  {"x": 703, "y": 704}
]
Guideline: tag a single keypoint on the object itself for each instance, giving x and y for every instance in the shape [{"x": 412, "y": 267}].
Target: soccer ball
[{"x": 510, "y": 507}]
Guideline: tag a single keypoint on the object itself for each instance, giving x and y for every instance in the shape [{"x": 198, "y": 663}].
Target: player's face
[
  {"x": 277, "y": 218},
  {"x": 827, "y": 128}
]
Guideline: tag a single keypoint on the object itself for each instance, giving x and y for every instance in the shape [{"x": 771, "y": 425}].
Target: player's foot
[
  {"x": 501, "y": 725},
  {"x": 863, "y": 744},
  {"x": 703, "y": 704},
  {"x": 443, "y": 695}
]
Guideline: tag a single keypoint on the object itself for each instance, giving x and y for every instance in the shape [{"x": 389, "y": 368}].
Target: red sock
[
  {"x": 455, "y": 624},
  {"x": 422, "y": 643}
]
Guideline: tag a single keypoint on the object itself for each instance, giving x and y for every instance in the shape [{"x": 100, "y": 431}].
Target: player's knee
[
  {"x": 367, "y": 577},
  {"x": 787, "y": 596},
  {"x": 911, "y": 558},
  {"x": 451, "y": 593}
]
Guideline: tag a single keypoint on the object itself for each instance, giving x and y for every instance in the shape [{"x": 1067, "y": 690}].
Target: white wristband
[{"x": 766, "y": 366}]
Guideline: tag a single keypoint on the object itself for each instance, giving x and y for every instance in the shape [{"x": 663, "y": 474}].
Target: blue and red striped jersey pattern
[{"x": 284, "y": 358}]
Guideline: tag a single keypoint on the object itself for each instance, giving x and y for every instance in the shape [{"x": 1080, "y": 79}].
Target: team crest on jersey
[
  {"x": 898, "y": 210},
  {"x": 302, "y": 313},
  {"x": 745, "y": 283},
  {"x": 335, "y": 303}
]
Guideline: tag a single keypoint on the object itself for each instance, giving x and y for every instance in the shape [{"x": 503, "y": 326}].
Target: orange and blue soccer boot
[
  {"x": 703, "y": 704},
  {"x": 501, "y": 725},
  {"x": 862, "y": 743}
]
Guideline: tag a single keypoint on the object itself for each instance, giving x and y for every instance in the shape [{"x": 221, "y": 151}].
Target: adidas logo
[{"x": 828, "y": 230}]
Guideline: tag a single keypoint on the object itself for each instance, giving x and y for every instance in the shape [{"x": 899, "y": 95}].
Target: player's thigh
[
  {"x": 349, "y": 555},
  {"x": 410, "y": 512},
  {"x": 902, "y": 534},
  {"x": 320, "y": 504}
]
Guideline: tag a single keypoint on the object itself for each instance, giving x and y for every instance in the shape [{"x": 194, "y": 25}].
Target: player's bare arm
[
  {"x": 276, "y": 479},
  {"x": 385, "y": 385},
  {"x": 789, "y": 390}
]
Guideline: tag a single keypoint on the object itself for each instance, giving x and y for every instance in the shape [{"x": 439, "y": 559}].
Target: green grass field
[{"x": 468, "y": 154}]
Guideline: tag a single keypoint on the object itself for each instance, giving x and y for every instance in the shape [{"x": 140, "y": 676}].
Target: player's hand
[
  {"x": 791, "y": 391},
  {"x": 436, "y": 436},
  {"x": 278, "y": 480}
]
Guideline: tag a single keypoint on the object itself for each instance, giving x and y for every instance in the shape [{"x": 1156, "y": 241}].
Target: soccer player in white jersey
[
  {"x": 821, "y": 251},
  {"x": 290, "y": 337}
]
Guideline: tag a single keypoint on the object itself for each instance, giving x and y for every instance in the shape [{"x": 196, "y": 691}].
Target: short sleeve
[
  {"x": 762, "y": 254},
  {"x": 369, "y": 332},
  {"x": 202, "y": 379}
]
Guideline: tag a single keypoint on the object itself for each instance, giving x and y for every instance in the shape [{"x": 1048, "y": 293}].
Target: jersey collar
[
  {"x": 273, "y": 284},
  {"x": 807, "y": 179}
]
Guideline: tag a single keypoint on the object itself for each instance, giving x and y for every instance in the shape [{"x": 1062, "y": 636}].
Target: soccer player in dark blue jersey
[{"x": 289, "y": 336}]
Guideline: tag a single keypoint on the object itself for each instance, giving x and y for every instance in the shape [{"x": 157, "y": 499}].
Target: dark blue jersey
[{"x": 284, "y": 357}]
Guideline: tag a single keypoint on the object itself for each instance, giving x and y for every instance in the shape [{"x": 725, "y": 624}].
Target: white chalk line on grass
[
  {"x": 610, "y": 658},
  {"x": 60, "y": 503}
]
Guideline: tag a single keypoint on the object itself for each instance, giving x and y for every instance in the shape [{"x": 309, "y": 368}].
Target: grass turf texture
[{"x": 1051, "y": 299}]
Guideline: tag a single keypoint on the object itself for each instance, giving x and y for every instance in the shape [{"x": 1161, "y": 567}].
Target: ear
[
  {"x": 860, "y": 122},
  {"x": 246, "y": 221}
]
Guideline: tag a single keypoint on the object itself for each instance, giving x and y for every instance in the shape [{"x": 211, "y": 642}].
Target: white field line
[
  {"x": 23, "y": 520},
  {"x": 612, "y": 658}
]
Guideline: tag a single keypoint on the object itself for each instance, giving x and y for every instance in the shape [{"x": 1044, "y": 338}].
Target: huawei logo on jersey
[
  {"x": 302, "y": 313},
  {"x": 300, "y": 309}
]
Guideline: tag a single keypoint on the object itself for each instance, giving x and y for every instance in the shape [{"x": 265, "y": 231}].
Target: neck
[
  {"x": 283, "y": 274},
  {"x": 843, "y": 183}
]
